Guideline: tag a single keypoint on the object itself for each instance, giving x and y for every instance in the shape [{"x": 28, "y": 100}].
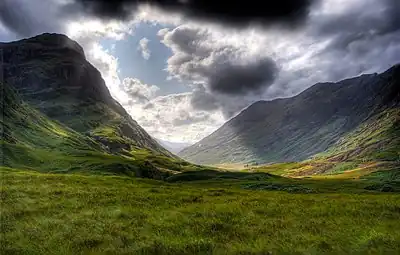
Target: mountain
[
  {"x": 58, "y": 116},
  {"x": 30, "y": 140},
  {"x": 172, "y": 146},
  {"x": 296, "y": 128},
  {"x": 50, "y": 72}
]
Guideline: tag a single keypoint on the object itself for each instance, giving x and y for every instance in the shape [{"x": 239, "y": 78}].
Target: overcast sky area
[{"x": 183, "y": 69}]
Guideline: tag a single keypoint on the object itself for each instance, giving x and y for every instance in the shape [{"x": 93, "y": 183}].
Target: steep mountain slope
[
  {"x": 57, "y": 115},
  {"x": 50, "y": 72},
  {"x": 294, "y": 129},
  {"x": 30, "y": 140}
]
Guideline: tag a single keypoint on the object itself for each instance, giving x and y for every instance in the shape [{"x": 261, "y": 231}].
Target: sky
[{"x": 183, "y": 68}]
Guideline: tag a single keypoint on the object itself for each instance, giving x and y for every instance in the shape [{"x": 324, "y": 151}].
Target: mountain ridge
[{"x": 293, "y": 129}]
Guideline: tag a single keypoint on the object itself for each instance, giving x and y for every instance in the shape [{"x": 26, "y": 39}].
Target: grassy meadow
[{"x": 230, "y": 213}]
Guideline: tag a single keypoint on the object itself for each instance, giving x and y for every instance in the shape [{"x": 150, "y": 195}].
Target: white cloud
[
  {"x": 138, "y": 91},
  {"x": 144, "y": 48},
  {"x": 172, "y": 118},
  {"x": 98, "y": 29}
]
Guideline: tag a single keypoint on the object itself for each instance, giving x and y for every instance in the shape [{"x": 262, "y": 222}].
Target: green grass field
[{"x": 92, "y": 214}]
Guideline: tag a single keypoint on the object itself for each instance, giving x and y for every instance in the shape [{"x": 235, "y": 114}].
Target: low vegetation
[{"x": 76, "y": 214}]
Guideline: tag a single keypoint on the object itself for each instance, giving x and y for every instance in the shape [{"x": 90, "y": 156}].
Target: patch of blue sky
[{"x": 132, "y": 64}]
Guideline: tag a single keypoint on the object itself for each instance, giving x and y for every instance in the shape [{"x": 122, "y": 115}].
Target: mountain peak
[{"x": 51, "y": 41}]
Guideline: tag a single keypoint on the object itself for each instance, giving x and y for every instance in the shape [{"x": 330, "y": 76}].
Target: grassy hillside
[
  {"x": 373, "y": 146},
  {"x": 75, "y": 214},
  {"x": 376, "y": 139},
  {"x": 31, "y": 140}
]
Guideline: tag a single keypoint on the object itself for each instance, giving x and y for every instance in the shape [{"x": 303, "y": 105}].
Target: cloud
[
  {"x": 173, "y": 118},
  {"x": 202, "y": 100},
  {"x": 364, "y": 21},
  {"x": 224, "y": 76},
  {"x": 27, "y": 18},
  {"x": 138, "y": 91},
  {"x": 359, "y": 37},
  {"x": 187, "y": 118},
  {"x": 237, "y": 13},
  {"x": 144, "y": 48},
  {"x": 200, "y": 58},
  {"x": 240, "y": 78}
]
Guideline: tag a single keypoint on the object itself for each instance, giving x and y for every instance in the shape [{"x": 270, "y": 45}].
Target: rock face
[
  {"x": 296, "y": 128},
  {"x": 51, "y": 73}
]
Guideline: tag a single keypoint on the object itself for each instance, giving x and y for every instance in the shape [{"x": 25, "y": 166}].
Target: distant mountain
[
  {"x": 294, "y": 129},
  {"x": 173, "y": 147}
]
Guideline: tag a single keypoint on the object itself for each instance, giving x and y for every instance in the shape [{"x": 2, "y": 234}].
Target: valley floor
[{"x": 77, "y": 214}]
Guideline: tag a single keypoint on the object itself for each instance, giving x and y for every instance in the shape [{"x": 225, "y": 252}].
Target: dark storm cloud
[
  {"x": 27, "y": 18},
  {"x": 107, "y": 9},
  {"x": 239, "y": 13},
  {"x": 367, "y": 21},
  {"x": 361, "y": 38},
  {"x": 202, "y": 100},
  {"x": 229, "y": 105},
  {"x": 239, "y": 79},
  {"x": 222, "y": 69}
]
